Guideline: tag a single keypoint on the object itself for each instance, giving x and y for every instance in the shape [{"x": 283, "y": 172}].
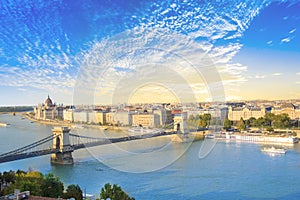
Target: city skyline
[{"x": 130, "y": 51}]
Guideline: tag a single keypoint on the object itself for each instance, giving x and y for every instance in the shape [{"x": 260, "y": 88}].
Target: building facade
[
  {"x": 236, "y": 113},
  {"x": 149, "y": 120},
  {"x": 48, "y": 111},
  {"x": 288, "y": 108}
]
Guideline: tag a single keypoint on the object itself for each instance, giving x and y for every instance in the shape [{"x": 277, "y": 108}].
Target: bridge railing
[{"x": 29, "y": 147}]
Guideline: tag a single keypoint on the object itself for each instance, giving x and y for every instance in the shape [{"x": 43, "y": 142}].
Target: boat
[
  {"x": 3, "y": 124},
  {"x": 273, "y": 150},
  {"x": 210, "y": 136},
  {"x": 267, "y": 139}
]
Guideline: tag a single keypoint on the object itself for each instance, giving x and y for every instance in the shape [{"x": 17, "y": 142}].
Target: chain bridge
[{"x": 62, "y": 143}]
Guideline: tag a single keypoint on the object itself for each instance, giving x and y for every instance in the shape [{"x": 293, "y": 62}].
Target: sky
[{"x": 129, "y": 51}]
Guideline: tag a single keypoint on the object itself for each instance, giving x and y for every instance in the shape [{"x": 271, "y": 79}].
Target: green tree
[
  {"x": 260, "y": 122},
  {"x": 227, "y": 124},
  {"x": 191, "y": 118},
  {"x": 281, "y": 121},
  {"x": 52, "y": 186},
  {"x": 30, "y": 181},
  {"x": 202, "y": 123},
  {"x": 1, "y": 183},
  {"x": 269, "y": 118},
  {"x": 206, "y": 117},
  {"x": 241, "y": 125},
  {"x": 73, "y": 191},
  {"x": 114, "y": 192},
  {"x": 251, "y": 122},
  {"x": 9, "y": 177}
]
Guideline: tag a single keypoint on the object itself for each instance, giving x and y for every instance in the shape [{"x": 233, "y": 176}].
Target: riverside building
[{"x": 48, "y": 110}]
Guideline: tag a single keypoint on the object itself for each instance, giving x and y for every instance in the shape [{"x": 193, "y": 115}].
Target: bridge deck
[{"x": 15, "y": 155}]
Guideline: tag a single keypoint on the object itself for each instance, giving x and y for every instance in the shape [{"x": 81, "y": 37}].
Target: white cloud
[
  {"x": 292, "y": 31},
  {"x": 270, "y": 42},
  {"x": 277, "y": 74},
  {"x": 298, "y": 73},
  {"x": 259, "y": 76},
  {"x": 52, "y": 67},
  {"x": 286, "y": 40}
]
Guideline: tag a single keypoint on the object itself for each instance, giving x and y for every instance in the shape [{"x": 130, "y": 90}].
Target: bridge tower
[
  {"x": 180, "y": 128},
  {"x": 61, "y": 143},
  {"x": 180, "y": 123}
]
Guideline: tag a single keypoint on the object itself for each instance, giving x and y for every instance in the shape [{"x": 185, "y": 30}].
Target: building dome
[{"x": 48, "y": 102}]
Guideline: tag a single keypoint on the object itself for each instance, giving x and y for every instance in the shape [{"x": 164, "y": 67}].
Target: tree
[
  {"x": 241, "y": 125},
  {"x": 191, "y": 118},
  {"x": 202, "y": 123},
  {"x": 1, "y": 182},
  {"x": 52, "y": 186},
  {"x": 73, "y": 191},
  {"x": 269, "y": 118},
  {"x": 281, "y": 121},
  {"x": 251, "y": 122},
  {"x": 207, "y": 117},
  {"x": 114, "y": 192},
  {"x": 9, "y": 177},
  {"x": 227, "y": 124}
]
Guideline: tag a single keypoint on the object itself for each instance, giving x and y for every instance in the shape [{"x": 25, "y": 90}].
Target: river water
[{"x": 158, "y": 169}]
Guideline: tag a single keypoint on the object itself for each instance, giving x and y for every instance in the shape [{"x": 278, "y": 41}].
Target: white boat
[
  {"x": 210, "y": 136},
  {"x": 273, "y": 150},
  {"x": 3, "y": 124},
  {"x": 267, "y": 139},
  {"x": 141, "y": 130}
]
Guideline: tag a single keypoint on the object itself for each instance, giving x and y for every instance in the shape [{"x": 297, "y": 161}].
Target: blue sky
[{"x": 89, "y": 51}]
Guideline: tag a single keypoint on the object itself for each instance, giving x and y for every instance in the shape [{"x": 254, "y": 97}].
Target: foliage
[
  {"x": 241, "y": 125},
  {"x": 9, "y": 177},
  {"x": 52, "y": 186},
  {"x": 194, "y": 122},
  {"x": 114, "y": 192},
  {"x": 227, "y": 124},
  {"x": 16, "y": 108},
  {"x": 73, "y": 191},
  {"x": 271, "y": 120},
  {"x": 38, "y": 184}
]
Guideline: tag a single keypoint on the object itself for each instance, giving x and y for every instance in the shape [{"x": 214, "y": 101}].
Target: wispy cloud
[
  {"x": 277, "y": 74},
  {"x": 286, "y": 40},
  {"x": 292, "y": 31},
  {"x": 260, "y": 76},
  {"x": 184, "y": 36},
  {"x": 298, "y": 73}
]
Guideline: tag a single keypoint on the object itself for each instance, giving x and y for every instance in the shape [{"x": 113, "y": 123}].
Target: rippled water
[{"x": 231, "y": 170}]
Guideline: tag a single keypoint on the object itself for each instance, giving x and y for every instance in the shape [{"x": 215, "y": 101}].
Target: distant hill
[{"x": 16, "y": 108}]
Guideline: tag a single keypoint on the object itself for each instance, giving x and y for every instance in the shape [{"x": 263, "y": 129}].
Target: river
[{"x": 158, "y": 169}]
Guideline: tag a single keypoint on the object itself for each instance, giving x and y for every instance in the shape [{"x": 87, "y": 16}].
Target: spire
[{"x": 48, "y": 102}]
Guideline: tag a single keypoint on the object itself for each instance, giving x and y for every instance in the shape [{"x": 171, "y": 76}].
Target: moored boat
[
  {"x": 273, "y": 150},
  {"x": 210, "y": 136},
  {"x": 3, "y": 124}
]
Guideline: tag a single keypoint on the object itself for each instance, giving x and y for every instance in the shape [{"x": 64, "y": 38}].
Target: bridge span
[{"x": 64, "y": 143}]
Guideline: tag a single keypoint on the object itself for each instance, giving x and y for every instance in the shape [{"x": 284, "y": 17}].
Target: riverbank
[{"x": 73, "y": 125}]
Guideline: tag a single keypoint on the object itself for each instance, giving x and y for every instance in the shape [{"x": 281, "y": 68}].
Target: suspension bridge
[{"x": 62, "y": 143}]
